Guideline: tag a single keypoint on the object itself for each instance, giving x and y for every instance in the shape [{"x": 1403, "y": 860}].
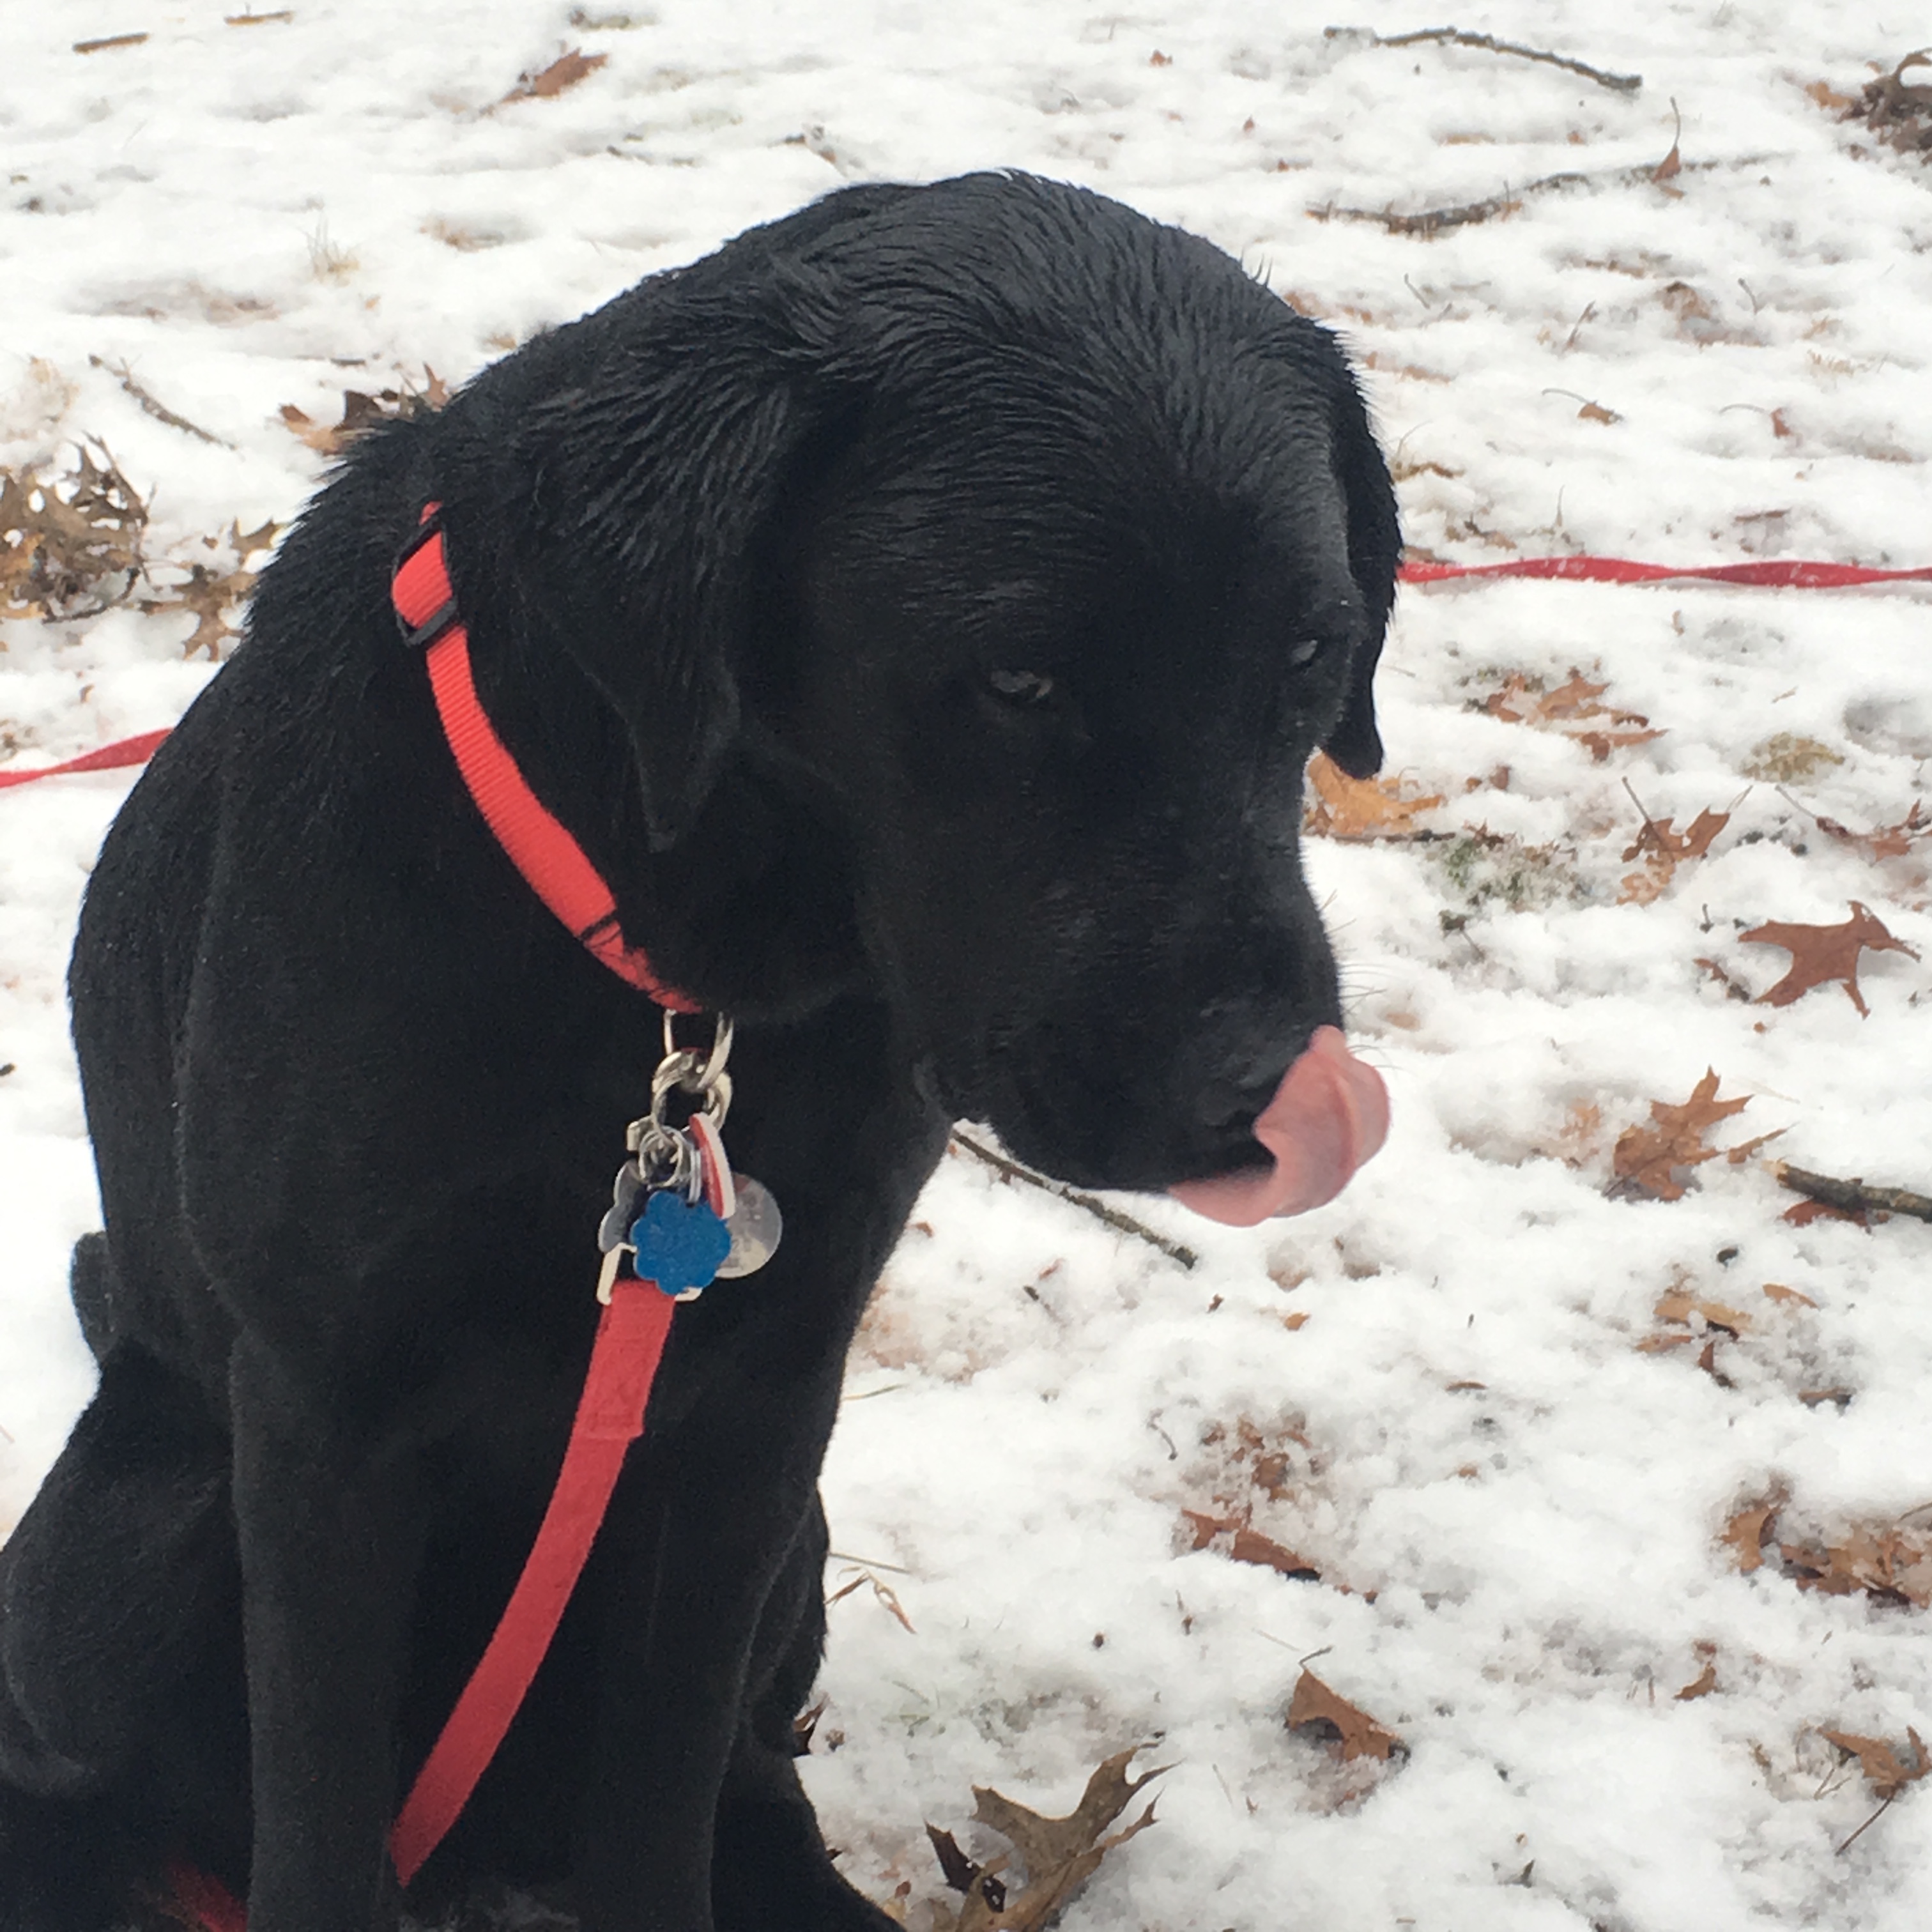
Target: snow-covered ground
[{"x": 1434, "y": 1391}]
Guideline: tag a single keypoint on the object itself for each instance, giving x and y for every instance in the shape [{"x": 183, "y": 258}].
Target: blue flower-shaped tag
[{"x": 679, "y": 1245}]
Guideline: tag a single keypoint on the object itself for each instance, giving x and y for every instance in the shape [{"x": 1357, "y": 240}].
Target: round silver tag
[{"x": 754, "y": 1229}]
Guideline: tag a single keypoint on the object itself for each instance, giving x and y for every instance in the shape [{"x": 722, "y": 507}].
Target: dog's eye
[
  {"x": 1305, "y": 651},
  {"x": 1024, "y": 689}
]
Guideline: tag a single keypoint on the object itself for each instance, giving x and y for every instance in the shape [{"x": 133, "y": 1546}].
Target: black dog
[{"x": 921, "y": 612}]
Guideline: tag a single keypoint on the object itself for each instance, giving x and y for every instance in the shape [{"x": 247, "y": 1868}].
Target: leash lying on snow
[
  {"x": 679, "y": 1220},
  {"x": 577, "y": 888}
]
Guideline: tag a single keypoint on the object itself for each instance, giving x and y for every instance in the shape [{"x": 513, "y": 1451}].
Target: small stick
[
  {"x": 1434, "y": 221},
  {"x": 1866, "y": 1826},
  {"x": 1852, "y": 1195},
  {"x": 1618, "y": 83},
  {"x": 1124, "y": 1224},
  {"x": 1649, "y": 823},
  {"x": 159, "y": 411}
]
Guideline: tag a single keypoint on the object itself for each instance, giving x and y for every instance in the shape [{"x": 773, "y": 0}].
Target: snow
[{"x": 1514, "y": 1509}]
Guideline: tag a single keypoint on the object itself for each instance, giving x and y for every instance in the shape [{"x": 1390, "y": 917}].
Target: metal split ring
[{"x": 688, "y": 1059}]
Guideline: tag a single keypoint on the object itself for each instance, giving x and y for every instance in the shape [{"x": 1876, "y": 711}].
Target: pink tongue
[{"x": 1329, "y": 1115}]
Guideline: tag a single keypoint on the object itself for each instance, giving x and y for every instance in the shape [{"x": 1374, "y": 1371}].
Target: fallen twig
[
  {"x": 1124, "y": 1224},
  {"x": 1618, "y": 83},
  {"x": 1434, "y": 221},
  {"x": 1853, "y": 1194},
  {"x": 158, "y": 410},
  {"x": 1885, "y": 1805}
]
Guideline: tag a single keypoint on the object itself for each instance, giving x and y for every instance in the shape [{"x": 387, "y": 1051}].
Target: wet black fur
[{"x": 740, "y": 554}]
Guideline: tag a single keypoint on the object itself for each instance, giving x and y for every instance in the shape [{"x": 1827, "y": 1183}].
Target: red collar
[{"x": 540, "y": 848}]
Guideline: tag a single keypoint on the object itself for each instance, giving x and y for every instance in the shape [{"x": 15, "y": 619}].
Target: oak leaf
[
  {"x": 69, "y": 548},
  {"x": 1645, "y": 1158},
  {"x": 1658, "y": 839},
  {"x": 213, "y": 594},
  {"x": 1701, "y": 1686},
  {"x": 1359, "y": 809},
  {"x": 1361, "y": 1736},
  {"x": 1821, "y": 954},
  {"x": 1888, "y": 1772},
  {"x": 1057, "y": 1855},
  {"x": 1663, "y": 849},
  {"x": 1883, "y": 841},
  {"x": 1746, "y": 1531},
  {"x": 1248, "y": 1545},
  {"x": 1571, "y": 704},
  {"x": 1886, "y": 1561},
  {"x": 1678, "y": 1304},
  {"x": 362, "y": 411},
  {"x": 562, "y": 73}
]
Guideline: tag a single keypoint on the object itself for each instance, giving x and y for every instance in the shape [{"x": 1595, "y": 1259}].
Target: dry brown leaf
[
  {"x": 1887, "y": 1772},
  {"x": 958, "y": 1871},
  {"x": 1701, "y": 1686},
  {"x": 1249, "y": 1545},
  {"x": 1896, "y": 110},
  {"x": 1747, "y": 1531},
  {"x": 1828, "y": 97},
  {"x": 361, "y": 412},
  {"x": 1361, "y": 1736},
  {"x": 1743, "y": 1151},
  {"x": 1572, "y": 704},
  {"x": 1778, "y": 1292},
  {"x": 562, "y": 73},
  {"x": 1885, "y": 842},
  {"x": 1646, "y": 1156},
  {"x": 1805, "y": 1212},
  {"x": 1601, "y": 744},
  {"x": 1657, "y": 840},
  {"x": 71, "y": 547},
  {"x": 1521, "y": 701},
  {"x": 1361, "y": 808},
  {"x": 1663, "y": 849},
  {"x": 1057, "y": 1855},
  {"x": 1881, "y": 1560},
  {"x": 1679, "y": 1305},
  {"x": 212, "y": 593},
  {"x": 112, "y": 41},
  {"x": 1821, "y": 954}
]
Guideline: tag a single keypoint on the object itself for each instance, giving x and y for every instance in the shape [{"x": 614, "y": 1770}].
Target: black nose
[{"x": 1242, "y": 1063}]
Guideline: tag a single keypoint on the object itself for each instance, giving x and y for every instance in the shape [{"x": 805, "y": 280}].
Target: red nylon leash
[
  {"x": 135, "y": 751},
  {"x": 1786, "y": 574},
  {"x": 624, "y": 1361},
  {"x": 1789, "y": 575}
]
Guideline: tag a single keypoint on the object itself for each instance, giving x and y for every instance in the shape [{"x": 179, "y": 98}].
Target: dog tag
[
  {"x": 627, "y": 1195},
  {"x": 754, "y": 1228},
  {"x": 680, "y": 1244}
]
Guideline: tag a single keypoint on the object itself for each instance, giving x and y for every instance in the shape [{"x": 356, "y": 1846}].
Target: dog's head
[{"x": 1022, "y": 550}]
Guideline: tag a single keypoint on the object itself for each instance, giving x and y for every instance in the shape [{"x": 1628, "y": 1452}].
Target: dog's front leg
[{"x": 330, "y": 1532}]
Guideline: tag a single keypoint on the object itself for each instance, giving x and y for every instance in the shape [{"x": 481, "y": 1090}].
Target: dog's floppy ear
[
  {"x": 1374, "y": 549},
  {"x": 649, "y": 480}
]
